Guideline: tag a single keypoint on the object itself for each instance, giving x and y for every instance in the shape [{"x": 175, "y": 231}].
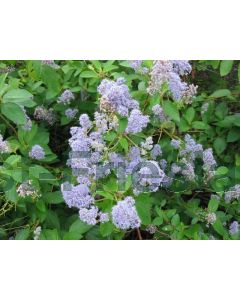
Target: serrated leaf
[
  {"x": 143, "y": 206},
  {"x": 189, "y": 115},
  {"x": 219, "y": 145},
  {"x": 88, "y": 74},
  {"x": 110, "y": 136},
  {"x": 158, "y": 221},
  {"x": 233, "y": 135},
  {"x": 2, "y": 83},
  {"x": 122, "y": 125},
  {"x": 51, "y": 79},
  {"x": 213, "y": 205},
  {"x": 226, "y": 67},
  {"x": 14, "y": 113},
  {"x": 219, "y": 228},
  {"x": 221, "y": 93},
  {"x": 53, "y": 197},
  {"x": 79, "y": 227},
  {"x": 171, "y": 110},
  {"x": 222, "y": 170},
  {"x": 20, "y": 97},
  {"x": 199, "y": 125},
  {"x": 23, "y": 234},
  {"x": 50, "y": 234},
  {"x": 106, "y": 229},
  {"x": 124, "y": 144},
  {"x": 97, "y": 64},
  {"x": 175, "y": 221},
  {"x": 13, "y": 160},
  {"x": 73, "y": 235}
]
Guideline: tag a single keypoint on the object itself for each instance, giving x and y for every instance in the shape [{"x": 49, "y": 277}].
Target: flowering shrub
[{"x": 119, "y": 150}]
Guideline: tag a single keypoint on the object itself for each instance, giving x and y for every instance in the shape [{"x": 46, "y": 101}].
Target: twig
[
  {"x": 139, "y": 234},
  {"x": 6, "y": 121}
]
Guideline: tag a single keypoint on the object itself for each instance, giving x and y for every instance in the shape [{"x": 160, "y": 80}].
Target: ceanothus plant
[
  {"x": 119, "y": 150},
  {"x": 116, "y": 147}
]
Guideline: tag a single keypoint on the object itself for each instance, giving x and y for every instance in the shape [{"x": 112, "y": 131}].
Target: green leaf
[
  {"x": 2, "y": 83},
  {"x": 171, "y": 110},
  {"x": 108, "y": 66},
  {"x": 183, "y": 125},
  {"x": 219, "y": 145},
  {"x": 23, "y": 234},
  {"x": 189, "y": 115},
  {"x": 41, "y": 173},
  {"x": 89, "y": 74},
  {"x": 14, "y": 113},
  {"x": 105, "y": 194},
  {"x": 13, "y": 160},
  {"x": 221, "y": 93},
  {"x": 233, "y": 135},
  {"x": 97, "y": 64},
  {"x": 124, "y": 143},
  {"x": 51, "y": 79},
  {"x": 110, "y": 136},
  {"x": 106, "y": 229},
  {"x": 214, "y": 63},
  {"x": 122, "y": 125},
  {"x": 167, "y": 228},
  {"x": 79, "y": 227},
  {"x": 50, "y": 234},
  {"x": 41, "y": 205},
  {"x": 25, "y": 137},
  {"x": 226, "y": 67},
  {"x": 143, "y": 206},
  {"x": 74, "y": 235},
  {"x": 158, "y": 221},
  {"x": 219, "y": 228},
  {"x": 20, "y": 97},
  {"x": 141, "y": 86},
  {"x": 52, "y": 220},
  {"x": 111, "y": 185},
  {"x": 11, "y": 194},
  {"x": 213, "y": 205},
  {"x": 199, "y": 125},
  {"x": 170, "y": 213},
  {"x": 222, "y": 170},
  {"x": 236, "y": 121},
  {"x": 53, "y": 198},
  {"x": 175, "y": 220},
  {"x": 227, "y": 122}
]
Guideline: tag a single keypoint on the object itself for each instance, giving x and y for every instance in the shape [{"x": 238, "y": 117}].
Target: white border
[
  {"x": 107, "y": 29},
  {"x": 126, "y": 29},
  {"x": 118, "y": 270}
]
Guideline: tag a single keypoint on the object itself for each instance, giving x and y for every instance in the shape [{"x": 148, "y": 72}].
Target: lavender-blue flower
[{"x": 37, "y": 152}]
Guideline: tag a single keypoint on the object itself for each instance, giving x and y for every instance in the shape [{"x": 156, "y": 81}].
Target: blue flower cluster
[
  {"x": 91, "y": 158},
  {"x": 137, "y": 66},
  {"x": 70, "y": 113},
  {"x": 48, "y": 115},
  {"x": 170, "y": 72},
  {"x": 136, "y": 121},
  {"x": 66, "y": 97},
  {"x": 115, "y": 96},
  {"x": 233, "y": 193},
  {"x": 37, "y": 152},
  {"x": 124, "y": 214},
  {"x": 234, "y": 228}
]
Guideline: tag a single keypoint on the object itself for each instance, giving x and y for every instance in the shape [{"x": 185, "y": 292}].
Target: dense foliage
[{"x": 119, "y": 150}]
